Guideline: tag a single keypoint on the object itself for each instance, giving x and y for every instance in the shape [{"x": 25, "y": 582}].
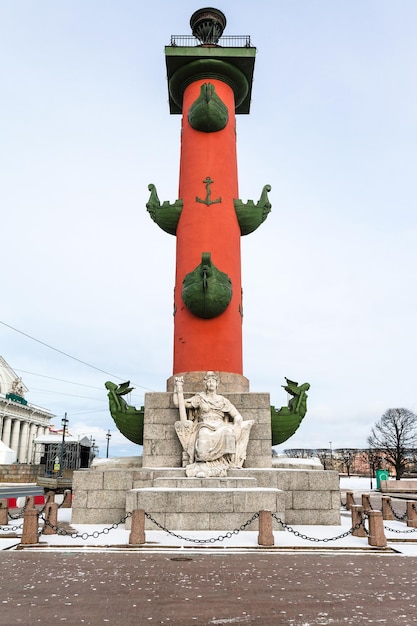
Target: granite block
[
  {"x": 117, "y": 480},
  {"x": 86, "y": 480},
  {"x": 106, "y": 499},
  {"x": 309, "y": 500},
  {"x": 98, "y": 516}
]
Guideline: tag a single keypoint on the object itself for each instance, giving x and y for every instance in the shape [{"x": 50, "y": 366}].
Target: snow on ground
[{"x": 89, "y": 536}]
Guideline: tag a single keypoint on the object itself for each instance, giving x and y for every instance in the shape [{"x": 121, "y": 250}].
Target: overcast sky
[{"x": 329, "y": 279}]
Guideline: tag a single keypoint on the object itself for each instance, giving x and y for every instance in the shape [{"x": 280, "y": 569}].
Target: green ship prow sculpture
[
  {"x": 128, "y": 419},
  {"x": 284, "y": 421}
]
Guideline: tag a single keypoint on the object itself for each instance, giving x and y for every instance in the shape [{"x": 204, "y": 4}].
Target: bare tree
[
  {"x": 413, "y": 454},
  {"x": 324, "y": 456},
  {"x": 299, "y": 453},
  {"x": 348, "y": 456},
  {"x": 374, "y": 458},
  {"x": 393, "y": 435}
]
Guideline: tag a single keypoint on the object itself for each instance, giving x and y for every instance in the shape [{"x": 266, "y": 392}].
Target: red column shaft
[{"x": 208, "y": 344}]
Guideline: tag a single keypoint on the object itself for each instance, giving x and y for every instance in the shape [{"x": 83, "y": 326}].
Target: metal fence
[{"x": 233, "y": 41}]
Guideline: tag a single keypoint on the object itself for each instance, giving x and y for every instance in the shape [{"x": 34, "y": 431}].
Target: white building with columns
[{"x": 20, "y": 422}]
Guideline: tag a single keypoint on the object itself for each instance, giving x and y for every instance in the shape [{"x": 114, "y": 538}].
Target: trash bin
[{"x": 381, "y": 475}]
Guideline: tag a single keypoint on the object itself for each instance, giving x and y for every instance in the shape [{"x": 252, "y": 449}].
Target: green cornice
[
  {"x": 208, "y": 68},
  {"x": 231, "y": 65},
  {"x": 165, "y": 215},
  {"x": 250, "y": 215}
]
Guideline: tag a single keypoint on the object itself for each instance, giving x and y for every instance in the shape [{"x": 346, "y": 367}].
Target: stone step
[
  {"x": 205, "y": 509},
  {"x": 205, "y": 483}
]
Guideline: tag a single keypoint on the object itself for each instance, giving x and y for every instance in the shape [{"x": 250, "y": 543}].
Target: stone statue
[
  {"x": 17, "y": 387},
  {"x": 211, "y": 430}
]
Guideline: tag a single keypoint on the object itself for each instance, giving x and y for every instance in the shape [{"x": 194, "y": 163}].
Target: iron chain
[
  {"x": 405, "y": 532},
  {"x": 10, "y": 528},
  {"x": 228, "y": 535},
  {"x": 84, "y": 536},
  {"x": 316, "y": 539},
  {"x": 400, "y": 518}
]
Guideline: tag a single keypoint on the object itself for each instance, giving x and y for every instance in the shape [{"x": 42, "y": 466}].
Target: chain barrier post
[
  {"x": 387, "y": 513},
  {"x": 358, "y": 517},
  {"x": 366, "y": 503},
  {"x": 265, "y": 533},
  {"x": 51, "y": 519},
  {"x": 350, "y": 501},
  {"x": 411, "y": 514},
  {"x": 29, "y": 503},
  {"x": 30, "y": 527},
  {"x": 137, "y": 528},
  {"x": 50, "y": 497},
  {"x": 4, "y": 512},
  {"x": 66, "y": 503},
  {"x": 376, "y": 536}
]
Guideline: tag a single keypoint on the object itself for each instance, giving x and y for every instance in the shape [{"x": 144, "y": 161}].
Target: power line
[
  {"x": 74, "y": 358},
  {"x": 61, "y": 380},
  {"x": 71, "y": 395}
]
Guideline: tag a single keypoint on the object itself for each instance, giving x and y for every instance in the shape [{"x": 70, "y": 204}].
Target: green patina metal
[
  {"x": 185, "y": 66},
  {"x": 207, "y": 200},
  {"x": 208, "y": 113},
  {"x": 207, "y": 291},
  {"x": 250, "y": 215},
  {"x": 166, "y": 215},
  {"x": 286, "y": 420},
  {"x": 16, "y": 398},
  {"x": 128, "y": 419}
]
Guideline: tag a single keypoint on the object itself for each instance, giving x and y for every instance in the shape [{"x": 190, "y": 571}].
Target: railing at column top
[{"x": 232, "y": 41}]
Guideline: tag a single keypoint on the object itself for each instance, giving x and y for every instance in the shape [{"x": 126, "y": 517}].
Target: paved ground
[
  {"x": 262, "y": 588},
  {"x": 168, "y": 581}
]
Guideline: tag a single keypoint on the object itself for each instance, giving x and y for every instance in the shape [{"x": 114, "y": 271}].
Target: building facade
[{"x": 20, "y": 422}]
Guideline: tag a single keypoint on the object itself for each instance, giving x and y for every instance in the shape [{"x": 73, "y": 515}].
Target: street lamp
[
  {"x": 64, "y": 423},
  {"x": 92, "y": 444},
  {"x": 108, "y": 435}
]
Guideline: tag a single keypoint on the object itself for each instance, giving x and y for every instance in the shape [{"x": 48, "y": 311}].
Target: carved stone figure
[
  {"x": 17, "y": 387},
  {"x": 211, "y": 430}
]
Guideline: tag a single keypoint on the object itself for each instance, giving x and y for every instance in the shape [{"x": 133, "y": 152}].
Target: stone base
[
  {"x": 103, "y": 496},
  {"x": 193, "y": 382},
  {"x": 105, "y": 493}
]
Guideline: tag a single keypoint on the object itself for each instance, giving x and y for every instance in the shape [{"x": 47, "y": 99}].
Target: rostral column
[{"x": 209, "y": 82}]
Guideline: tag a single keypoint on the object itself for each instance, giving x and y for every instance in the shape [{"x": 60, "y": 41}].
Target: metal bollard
[
  {"x": 376, "y": 530},
  {"x": 386, "y": 508},
  {"x": 4, "y": 512},
  {"x": 30, "y": 527},
  {"x": 412, "y": 514},
  {"x": 358, "y": 516},
  {"x": 350, "y": 501},
  {"x": 366, "y": 503},
  {"x": 137, "y": 529},
  {"x": 265, "y": 533},
  {"x": 51, "y": 516}
]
